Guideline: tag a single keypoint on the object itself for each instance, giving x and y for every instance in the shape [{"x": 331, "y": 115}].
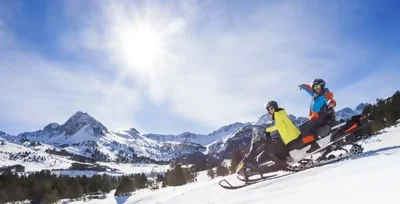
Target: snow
[
  {"x": 204, "y": 140},
  {"x": 13, "y": 153},
  {"x": 371, "y": 177},
  {"x": 264, "y": 119},
  {"x": 137, "y": 168}
]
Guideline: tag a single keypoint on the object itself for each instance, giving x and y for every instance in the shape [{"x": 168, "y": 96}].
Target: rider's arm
[
  {"x": 278, "y": 123},
  {"x": 307, "y": 88},
  {"x": 329, "y": 97}
]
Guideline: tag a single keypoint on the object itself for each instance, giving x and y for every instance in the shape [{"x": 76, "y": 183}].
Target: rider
[
  {"x": 322, "y": 98},
  {"x": 287, "y": 130}
]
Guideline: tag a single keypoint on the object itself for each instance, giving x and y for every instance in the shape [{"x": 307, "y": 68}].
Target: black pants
[
  {"x": 277, "y": 148},
  {"x": 310, "y": 128}
]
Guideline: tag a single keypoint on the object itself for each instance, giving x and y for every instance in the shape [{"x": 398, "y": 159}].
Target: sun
[
  {"x": 143, "y": 41},
  {"x": 140, "y": 46}
]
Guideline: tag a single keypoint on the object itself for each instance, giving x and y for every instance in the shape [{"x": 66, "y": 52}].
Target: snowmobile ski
[{"x": 248, "y": 183}]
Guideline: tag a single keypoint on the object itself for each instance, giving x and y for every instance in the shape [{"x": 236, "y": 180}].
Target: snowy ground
[
  {"x": 372, "y": 177},
  {"x": 121, "y": 169},
  {"x": 37, "y": 159}
]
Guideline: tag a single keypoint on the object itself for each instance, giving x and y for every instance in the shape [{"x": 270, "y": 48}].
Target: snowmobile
[{"x": 268, "y": 160}]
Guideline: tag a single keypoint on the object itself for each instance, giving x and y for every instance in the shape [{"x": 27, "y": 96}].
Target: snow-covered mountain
[
  {"x": 348, "y": 112},
  {"x": 198, "y": 138},
  {"x": 83, "y": 135},
  {"x": 81, "y": 127}
]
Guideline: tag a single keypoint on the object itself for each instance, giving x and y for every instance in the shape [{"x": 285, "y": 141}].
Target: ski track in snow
[{"x": 371, "y": 177}]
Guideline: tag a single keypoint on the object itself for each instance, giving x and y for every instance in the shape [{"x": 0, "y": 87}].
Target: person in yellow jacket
[{"x": 287, "y": 130}]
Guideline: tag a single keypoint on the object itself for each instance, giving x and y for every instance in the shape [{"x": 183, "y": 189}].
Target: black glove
[{"x": 268, "y": 138}]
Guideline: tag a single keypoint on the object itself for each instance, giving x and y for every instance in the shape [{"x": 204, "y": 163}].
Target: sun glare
[
  {"x": 141, "y": 47},
  {"x": 142, "y": 41}
]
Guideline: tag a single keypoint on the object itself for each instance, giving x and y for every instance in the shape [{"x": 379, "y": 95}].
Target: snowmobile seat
[
  {"x": 299, "y": 144},
  {"x": 323, "y": 131}
]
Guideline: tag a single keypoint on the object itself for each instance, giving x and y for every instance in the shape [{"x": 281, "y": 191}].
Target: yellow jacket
[{"x": 287, "y": 130}]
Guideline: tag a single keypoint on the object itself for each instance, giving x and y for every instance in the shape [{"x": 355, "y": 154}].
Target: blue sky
[{"x": 175, "y": 66}]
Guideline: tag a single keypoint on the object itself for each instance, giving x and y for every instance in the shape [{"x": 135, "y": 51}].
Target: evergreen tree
[
  {"x": 126, "y": 186},
  {"x": 169, "y": 177},
  {"x": 106, "y": 187},
  {"x": 43, "y": 187},
  {"x": 189, "y": 177},
  {"x": 137, "y": 179},
  {"x": 143, "y": 181},
  {"x": 384, "y": 113},
  {"x": 222, "y": 170},
  {"x": 75, "y": 190},
  {"x": 179, "y": 176},
  {"x": 61, "y": 187},
  {"x": 3, "y": 196},
  {"x": 50, "y": 196}
]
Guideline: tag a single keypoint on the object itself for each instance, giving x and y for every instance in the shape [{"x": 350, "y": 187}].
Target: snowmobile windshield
[{"x": 257, "y": 135}]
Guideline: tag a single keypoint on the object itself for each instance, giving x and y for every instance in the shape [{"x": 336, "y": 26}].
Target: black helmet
[
  {"x": 318, "y": 82},
  {"x": 273, "y": 104}
]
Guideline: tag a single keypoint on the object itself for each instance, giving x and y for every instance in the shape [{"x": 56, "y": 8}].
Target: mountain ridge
[{"x": 83, "y": 135}]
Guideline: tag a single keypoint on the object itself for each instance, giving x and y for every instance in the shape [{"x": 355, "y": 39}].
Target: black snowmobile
[{"x": 267, "y": 156}]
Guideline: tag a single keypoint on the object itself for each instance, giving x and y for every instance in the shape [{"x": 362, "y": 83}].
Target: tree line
[
  {"x": 384, "y": 113},
  {"x": 45, "y": 187}
]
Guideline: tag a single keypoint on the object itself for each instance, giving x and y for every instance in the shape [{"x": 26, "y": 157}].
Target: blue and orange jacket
[{"x": 319, "y": 101}]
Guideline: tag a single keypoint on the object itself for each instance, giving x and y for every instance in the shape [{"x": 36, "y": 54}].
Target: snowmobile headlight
[{"x": 240, "y": 166}]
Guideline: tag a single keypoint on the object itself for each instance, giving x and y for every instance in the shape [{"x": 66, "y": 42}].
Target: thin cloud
[
  {"x": 214, "y": 67},
  {"x": 36, "y": 91},
  {"x": 215, "y": 72}
]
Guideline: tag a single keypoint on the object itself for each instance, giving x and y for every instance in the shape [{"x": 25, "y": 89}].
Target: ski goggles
[{"x": 317, "y": 87}]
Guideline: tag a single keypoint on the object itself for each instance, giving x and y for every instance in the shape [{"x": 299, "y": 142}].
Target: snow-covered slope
[
  {"x": 31, "y": 155},
  {"x": 34, "y": 157},
  {"x": 371, "y": 177}
]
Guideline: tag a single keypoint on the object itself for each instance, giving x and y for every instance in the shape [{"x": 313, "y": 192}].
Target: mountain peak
[
  {"x": 361, "y": 107},
  {"x": 80, "y": 114},
  {"x": 347, "y": 112},
  {"x": 81, "y": 119}
]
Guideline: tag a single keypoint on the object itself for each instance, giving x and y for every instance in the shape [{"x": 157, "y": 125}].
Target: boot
[{"x": 313, "y": 147}]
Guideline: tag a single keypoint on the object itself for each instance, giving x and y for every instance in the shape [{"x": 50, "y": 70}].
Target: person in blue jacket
[{"x": 322, "y": 99}]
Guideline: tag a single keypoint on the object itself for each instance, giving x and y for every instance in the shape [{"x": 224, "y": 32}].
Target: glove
[
  {"x": 268, "y": 138},
  {"x": 300, "y": 87}
]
